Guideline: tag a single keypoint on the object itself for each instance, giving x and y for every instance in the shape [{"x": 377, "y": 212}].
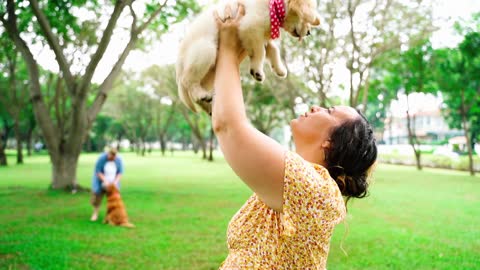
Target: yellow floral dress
[{"x": 299, "y": 238}]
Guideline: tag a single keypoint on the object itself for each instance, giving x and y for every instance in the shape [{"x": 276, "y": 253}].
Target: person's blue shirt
[{"x": 99, "y": 168}]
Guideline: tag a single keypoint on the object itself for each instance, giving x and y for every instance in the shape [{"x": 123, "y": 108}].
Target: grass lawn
[{"x": 181, "y": 206}]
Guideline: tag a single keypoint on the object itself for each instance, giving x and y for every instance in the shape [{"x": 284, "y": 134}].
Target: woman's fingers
[
  {"x": 228, "y": 12},
  {"x": 218, "y": 20},
  {"x": 240, "y": 12}
]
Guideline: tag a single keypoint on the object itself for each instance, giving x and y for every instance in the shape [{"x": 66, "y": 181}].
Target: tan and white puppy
[{"x": 195, "y": 67}]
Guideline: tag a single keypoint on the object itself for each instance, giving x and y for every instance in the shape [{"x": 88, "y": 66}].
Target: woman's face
[{"x": 316, "y": 125}]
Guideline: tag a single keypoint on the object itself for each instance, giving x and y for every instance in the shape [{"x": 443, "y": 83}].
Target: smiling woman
[
  {"x": 345, "y": 140},
  {"x": 297, "y": 202}
]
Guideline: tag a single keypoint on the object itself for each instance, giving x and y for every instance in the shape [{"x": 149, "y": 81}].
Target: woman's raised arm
[{"x": 256, "y": 158}]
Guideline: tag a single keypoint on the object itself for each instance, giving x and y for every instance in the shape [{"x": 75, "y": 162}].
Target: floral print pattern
[{"x": 298, "y": 238}]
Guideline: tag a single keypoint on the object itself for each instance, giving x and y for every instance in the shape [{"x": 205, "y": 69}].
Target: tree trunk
[
  {"x": 18, "y": 138},
  {"x": 212, "y": 136},
  {"x": 3, "y": 144},
  {"x": 203, "y": 145},
  {"x": 132, "y": 145},
  {"x": 365, "y": 94},
  {"x": 467, "y": 135},
  {"x": 390, "y": 128},
  {"x": 143, "y": 148},
  {"x": 470, "y": 152},
  {"x": 418, "y": 158},
  {"x": 138, "y": 147},
  {"x": 195, "y": 145},
  {"x": 64, "y": 170},
  {"x": 3, "y": 157},
  {"x": 163, "y": 144},
  {"x": 412, "y": 139},
  {"x": 88, "y": 145},
  {"x": 29, "y": 142},
  {"x": 119, "y": 141}
]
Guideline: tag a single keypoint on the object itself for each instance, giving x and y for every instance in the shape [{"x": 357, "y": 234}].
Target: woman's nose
[{"x": 315, "y": 109}]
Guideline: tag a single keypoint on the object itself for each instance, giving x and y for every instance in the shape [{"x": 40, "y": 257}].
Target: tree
[
  {"x": 405, "y": 73},
  {"x": 55, "y": 24},
  {"x": 162, "y": 80},
  {"x": 317, "y": 53},
  {"x": 387, "y": 26},
  {"x": 163, "y": 119},
  {"x": 457, "y": 76},
  {"x": 5, "y": 128},
  {"x": 381, "y": 92},
  {"x": 264, "y": 110},
  {"x": 13, "y": 89},
  {"x": 134, "y": 109}
]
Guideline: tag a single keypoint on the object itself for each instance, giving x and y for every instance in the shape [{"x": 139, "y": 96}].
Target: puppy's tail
[{"x": 127, "y": 225}]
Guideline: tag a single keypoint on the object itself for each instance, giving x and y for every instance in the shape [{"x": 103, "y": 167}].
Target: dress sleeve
[{"x": 311, "y": 199}]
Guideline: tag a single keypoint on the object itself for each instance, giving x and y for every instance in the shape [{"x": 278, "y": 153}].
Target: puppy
[
  {"x": 195, "y": 67},
  {"x": 116, "y": 213}
]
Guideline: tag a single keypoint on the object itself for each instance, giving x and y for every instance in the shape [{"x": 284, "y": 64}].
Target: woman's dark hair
[{"x": 350, "y": 157}]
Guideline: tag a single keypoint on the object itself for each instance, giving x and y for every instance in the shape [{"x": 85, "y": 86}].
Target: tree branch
[
  {"x": 41, "y": 112},
  {"x": 54, "y": 45},
  {"x": 102, "y": 45},
  {"x": 152, "y": 17},
  {"x": 106, "y": 85}
]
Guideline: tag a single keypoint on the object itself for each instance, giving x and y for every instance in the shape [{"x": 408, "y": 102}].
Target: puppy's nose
[{"x": 308, "y": 33}]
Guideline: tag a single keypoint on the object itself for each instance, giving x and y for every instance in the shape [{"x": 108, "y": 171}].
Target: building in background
[{"x": 428, "y": 125}]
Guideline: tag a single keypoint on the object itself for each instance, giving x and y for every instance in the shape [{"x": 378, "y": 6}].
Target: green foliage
[
  {"x": 397, "y": 73},
  {"x": 172, "y": 13},
  {"x": 264, "y": 109},
  {"x": 458, "y": 76}
]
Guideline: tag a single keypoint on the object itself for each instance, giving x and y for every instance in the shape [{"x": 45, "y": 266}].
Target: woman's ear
[{"x": 326, "y": 144}]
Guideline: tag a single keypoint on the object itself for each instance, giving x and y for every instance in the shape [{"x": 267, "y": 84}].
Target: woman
[{"x": 298, "y": 196}]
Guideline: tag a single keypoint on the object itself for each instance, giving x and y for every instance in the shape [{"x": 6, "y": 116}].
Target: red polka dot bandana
[{"x": 277, "y": 17}]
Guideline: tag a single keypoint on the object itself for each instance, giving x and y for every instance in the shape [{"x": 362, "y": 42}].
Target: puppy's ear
[
  {"x": 311, "y": 16},
  {"x": 316, "y": 19},
  {"x": 306, "y": 12}
]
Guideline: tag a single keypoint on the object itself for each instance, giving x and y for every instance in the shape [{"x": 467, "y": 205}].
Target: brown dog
[{"x": 116, "y": 213}]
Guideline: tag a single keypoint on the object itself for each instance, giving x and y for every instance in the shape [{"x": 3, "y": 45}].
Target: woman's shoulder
[
  {"x": 296, "y": 164},
  {"x": 309, "y": 189}
]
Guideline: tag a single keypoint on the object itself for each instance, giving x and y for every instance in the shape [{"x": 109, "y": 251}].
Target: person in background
[{"x": 108, "y": 171}]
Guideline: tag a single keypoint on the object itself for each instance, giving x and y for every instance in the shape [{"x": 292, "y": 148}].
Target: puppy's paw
[
  {"x": 257, "y": 75},
  {"x": 280, "y": 71}
]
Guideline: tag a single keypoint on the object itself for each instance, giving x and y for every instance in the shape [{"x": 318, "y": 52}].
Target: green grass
[{"x": 181, "y": 206}]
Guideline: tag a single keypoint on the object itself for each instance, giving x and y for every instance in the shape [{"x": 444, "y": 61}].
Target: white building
[{"x": 428, "y": 126}]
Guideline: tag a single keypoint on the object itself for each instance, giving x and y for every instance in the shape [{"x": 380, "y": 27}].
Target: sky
[{"x": 165, "y": 50}]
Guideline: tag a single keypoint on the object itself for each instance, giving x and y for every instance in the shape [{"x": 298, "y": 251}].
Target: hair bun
[{"x": 338, "y": 174}]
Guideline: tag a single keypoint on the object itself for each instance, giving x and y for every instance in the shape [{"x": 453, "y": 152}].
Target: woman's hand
[{"x": 229, "y": 42}]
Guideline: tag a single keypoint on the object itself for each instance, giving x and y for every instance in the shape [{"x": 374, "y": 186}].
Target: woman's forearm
[{"x": 228, "y": 107}]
